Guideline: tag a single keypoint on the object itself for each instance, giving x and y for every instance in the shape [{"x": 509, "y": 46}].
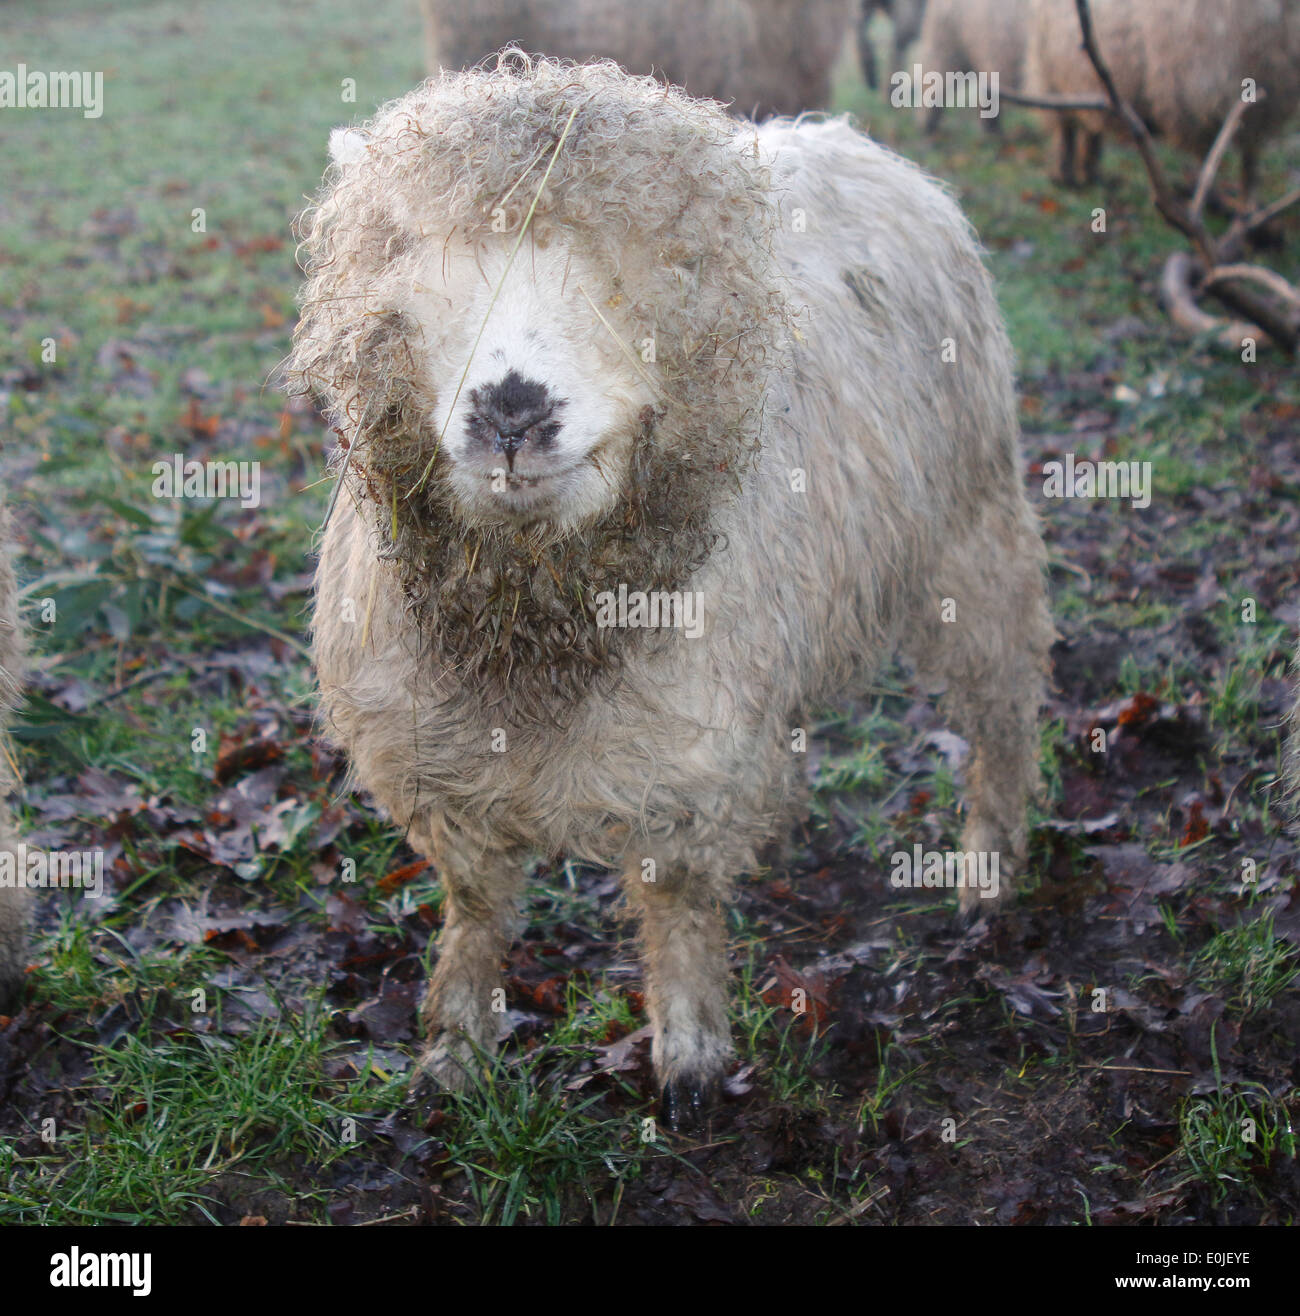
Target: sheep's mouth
[
  {"x": 516, "y": 481},
  {"x": 517, "y": 496}
]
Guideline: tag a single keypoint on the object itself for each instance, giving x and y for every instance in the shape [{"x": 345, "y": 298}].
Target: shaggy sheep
[
  {"x": 595, "y": 353},
  {"x": 760, "y": 56},
  {"x": 1180, "y": 63},
  {"x": 13, "y": 900},
  {"x": 974, "y": 36},
  {"x": 906, "y": 16}
]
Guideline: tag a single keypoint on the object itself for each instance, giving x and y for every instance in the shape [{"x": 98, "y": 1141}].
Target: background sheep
[
  {"x": 974, "y": 36},
  {"x": 1180, "y": 63},
  {"x": 760, "y": 56},
  {"x": 13, "y": 901},
  {"x": 904, "y": 28},
  {"x": 718, "y": 365}
]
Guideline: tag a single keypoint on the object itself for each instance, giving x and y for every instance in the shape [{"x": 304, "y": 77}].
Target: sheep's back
[
  {"x": 765, "y": 56},
  {"x": 1193, "y": 81},
  {"x": 898, "y": 437}
]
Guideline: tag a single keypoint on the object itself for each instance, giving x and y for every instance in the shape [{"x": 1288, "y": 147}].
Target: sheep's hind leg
[
  {"x": 1089, "y": 146},
  {"x": 991, "y": 658},
  {"x": 460, "y": 1013},
  {"x": 684, "y": 934},
  {"x": 1065, "y": 134}
]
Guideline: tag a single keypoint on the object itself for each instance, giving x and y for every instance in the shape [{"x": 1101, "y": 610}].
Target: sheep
[
  {"x": 974, "y": 36},
  {"x": 750, "y": 383},
  {"x": 14, "y": 900},
  {"x": 905, "y": 27},
  {"x": 1181, "y": 64},
  {"x": 764, "y": 56}
]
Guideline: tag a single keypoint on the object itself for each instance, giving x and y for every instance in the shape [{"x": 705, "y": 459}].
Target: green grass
[
  {"x": 182, "y": 1111},
  {"x": 1227, "y": 1136},
  {"x": 1249, "y": 965},
  {"x": 530, "y": 1149},
  {"x": 782, "y": 1042}
]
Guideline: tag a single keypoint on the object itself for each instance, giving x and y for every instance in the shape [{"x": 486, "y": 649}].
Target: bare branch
[
  {"x": 1244, "y": 225},
  {"x": 1273, "y": 209},
  {"x": 1076, "y": 103},
  {"x": 1210, "y": 169}
]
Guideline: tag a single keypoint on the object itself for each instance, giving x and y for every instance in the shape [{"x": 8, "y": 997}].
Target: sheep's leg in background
[
  {"x": 1270, "y": 236},
  {"x": 1065, "y": 137},
  {"x": 684, "y": 937},
  {"x": 1249, "y": 175},
  {"x": 866, "y": 48},
  {"x": 459, "y": 1012},
  {"x": 908, "y": 16},
  {"x": 1088, "y": 165}
]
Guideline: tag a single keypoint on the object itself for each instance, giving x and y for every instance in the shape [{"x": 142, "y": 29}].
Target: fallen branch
[
  {"x": 1270, "y": 279},
  {"x": 1178, "y": 284}
]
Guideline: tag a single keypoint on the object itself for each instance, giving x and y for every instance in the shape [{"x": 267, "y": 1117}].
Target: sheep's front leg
[
  {"x": 684, "y": 933},
  {"x": 463, "y": 1003},
  {"x": 1065, "y": 134}
]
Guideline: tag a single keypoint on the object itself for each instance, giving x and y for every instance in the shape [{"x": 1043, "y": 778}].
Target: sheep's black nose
[
  {"x": 508, "y": 443},
  {"x": 511, "y": 413}
]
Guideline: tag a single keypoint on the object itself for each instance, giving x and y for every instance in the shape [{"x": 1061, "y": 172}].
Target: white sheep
[{"x": 659, "y": 432}]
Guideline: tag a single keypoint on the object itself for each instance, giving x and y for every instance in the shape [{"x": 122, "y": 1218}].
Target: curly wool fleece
[
  {"x": 650, "y": 185},
  {"x": 859, "y": 470}
]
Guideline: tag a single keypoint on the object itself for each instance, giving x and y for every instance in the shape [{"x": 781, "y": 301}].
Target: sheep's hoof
[
  {"x": 968, "y": 914},
  {"x": 972, "y": 907},
  {"x": 441, "y": 1071},
  {"x": 682, "y": 1103},
  {"x": 445, "y": 1065}
]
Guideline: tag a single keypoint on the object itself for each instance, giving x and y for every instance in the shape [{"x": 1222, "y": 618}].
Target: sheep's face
[{"x": 537, "y": 403}]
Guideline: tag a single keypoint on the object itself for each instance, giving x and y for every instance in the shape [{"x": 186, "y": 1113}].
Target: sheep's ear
[{"x": 347, "y": 145}]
